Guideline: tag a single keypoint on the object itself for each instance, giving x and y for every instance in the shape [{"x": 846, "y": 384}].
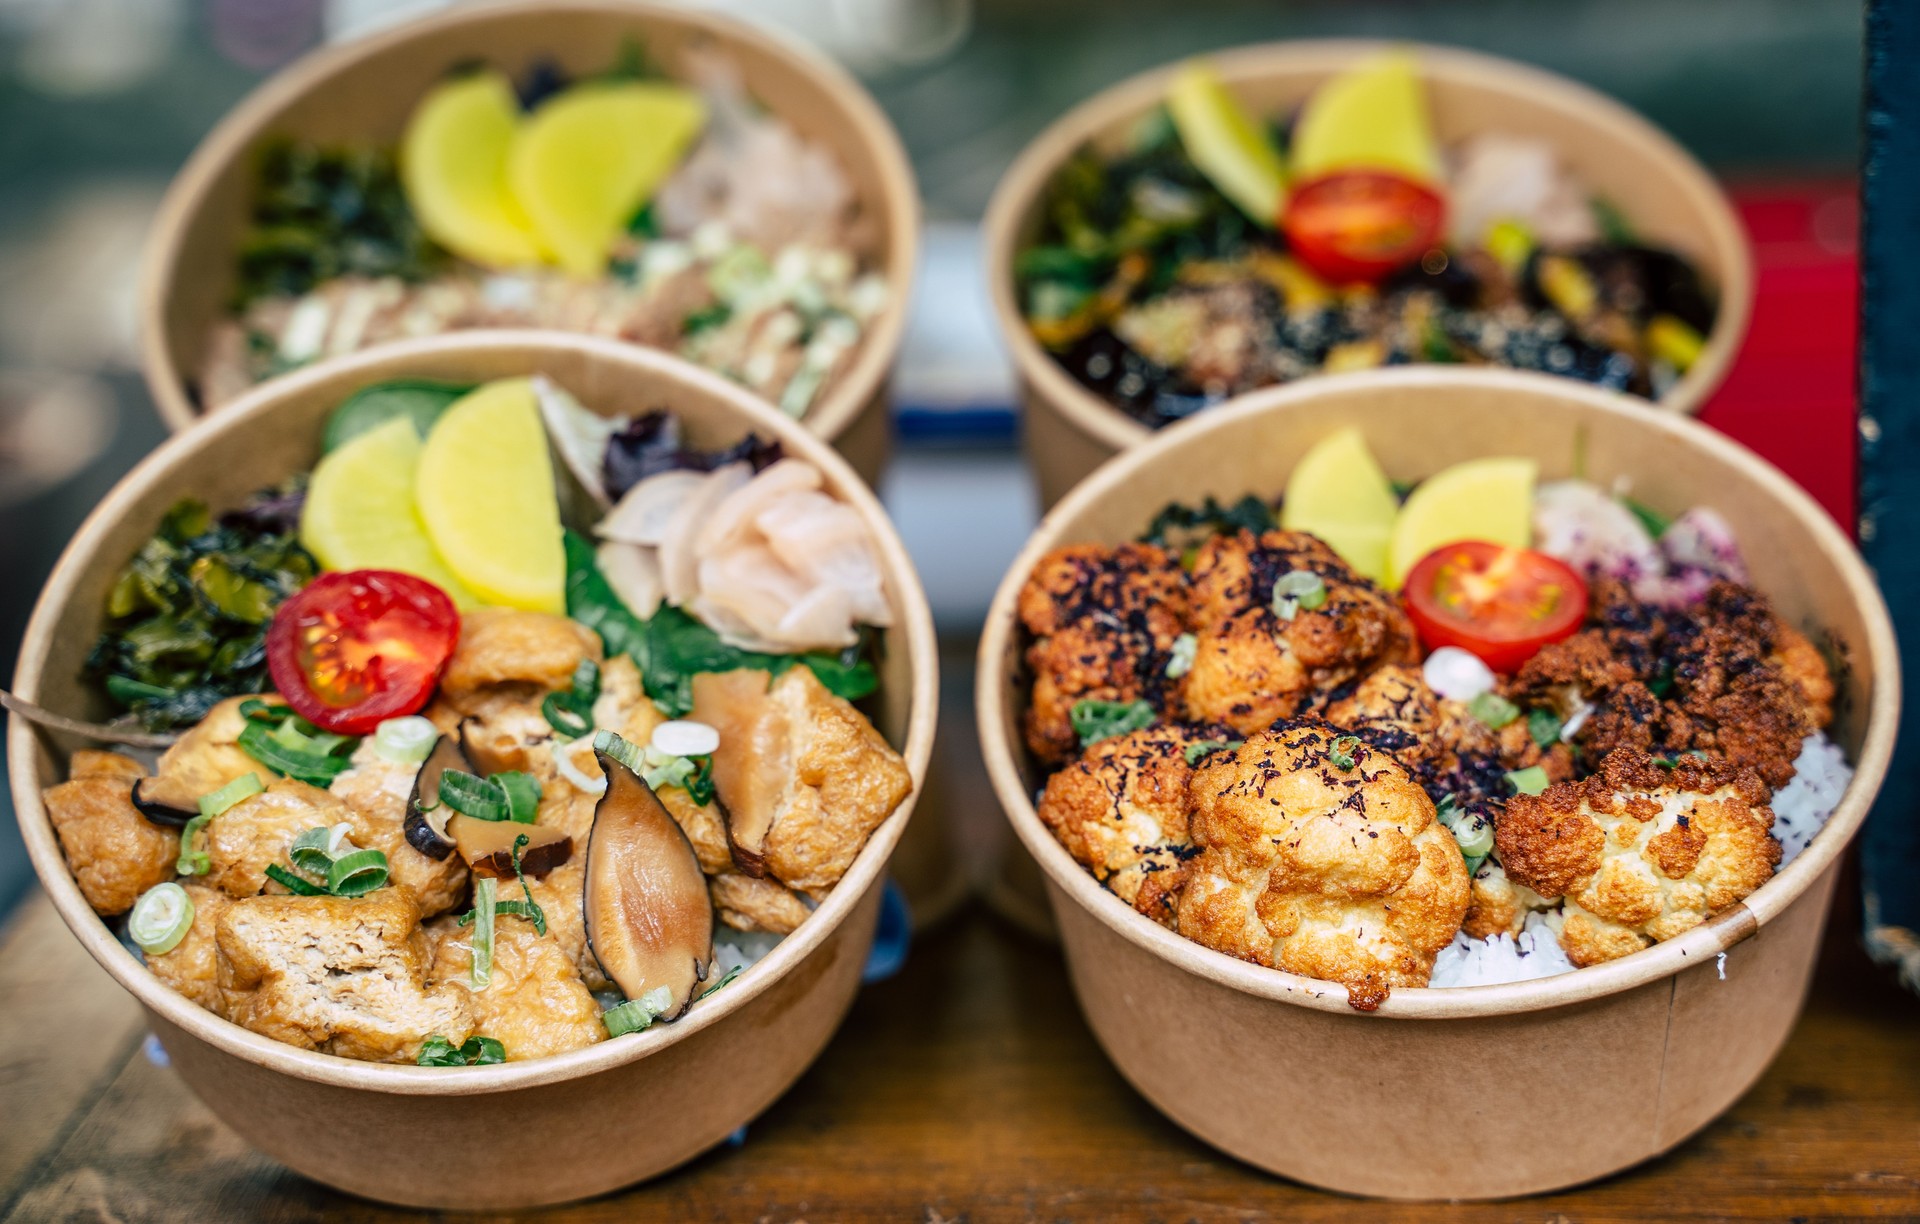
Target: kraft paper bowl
[
  {"x": 1664, "y": 193},
  {"x": 519, "y": 1134},
  {"x": 1487, "y": 1091},
  {"x": 362, "y": 92}
]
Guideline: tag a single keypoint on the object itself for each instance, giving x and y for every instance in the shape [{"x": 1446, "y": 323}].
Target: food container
[
  {"x": 518, "y": 1134},
  {"x": 1476, "y": 1092},
  {"x": 363, "y": 91},
  {"x": 1664, "y": 193}
]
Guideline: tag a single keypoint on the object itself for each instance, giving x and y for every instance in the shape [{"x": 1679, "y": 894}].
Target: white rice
[{"x": 1800, "y": 808}]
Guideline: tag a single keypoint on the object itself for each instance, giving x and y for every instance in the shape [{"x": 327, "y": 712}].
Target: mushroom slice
[
  {"x": 426, "y": 823},
  {"x": 753, "y": 764},
  {"x": 164, "y": 801},
  {"x": 649, "y": 918},
  {"x": 487, "y": 846}
]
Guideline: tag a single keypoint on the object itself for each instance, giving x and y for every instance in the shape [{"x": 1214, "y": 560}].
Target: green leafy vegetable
[
  {"x": 187, "y": 618},
  {"x": 1094, "y": 721},
  {"x": 1178, "y": 525},
  {"x": 419, "y": 400},
  {"x": 437, "y": 1051},
  {"x": 1544, "y": 727}
]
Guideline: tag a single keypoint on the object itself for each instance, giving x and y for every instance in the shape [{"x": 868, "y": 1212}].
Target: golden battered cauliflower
[
  {"x": 1640, "y": 852},
  {"x": 1251, "y": 666},
  {"x": 1321, "y": 856},
  {"x": 1104, "y": 622},
  {"x": 1121, "y": 811}
]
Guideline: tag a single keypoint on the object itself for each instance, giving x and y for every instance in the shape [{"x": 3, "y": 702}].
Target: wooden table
[{"x": 967, "y": 1088}]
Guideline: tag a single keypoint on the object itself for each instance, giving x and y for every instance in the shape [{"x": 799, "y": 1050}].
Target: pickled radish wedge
[
  {"x": 1338, "y": 492},
  {"x": 486, "y": 494},
  {"x": 1371, "y": 117},
  {"x": 1481, "y": 499},
  {"x": 586, "y": 161},
  {"x": 360, "y": 514},
  {"x": 453, "y": 164},
  {"x": 1229, "y": 145}
]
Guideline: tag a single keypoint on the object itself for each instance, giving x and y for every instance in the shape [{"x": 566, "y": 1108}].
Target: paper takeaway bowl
[
  {"x": 362, "y": 92},
  {"x": 519, "y": 1134},
  {"x": 1665, "y": 194},
  {"x": 1485, "y": 1091}
]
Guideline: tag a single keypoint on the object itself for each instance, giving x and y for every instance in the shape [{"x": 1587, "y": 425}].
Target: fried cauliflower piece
[
  {"x": 377, "y": 790},
  {"x": 1321, "y": 856},
  {"x": 338, "y": 975},
  {"x": 1122, "y": 809},
  {"x": 1251, "y": 666},
  {"x": 1104, "y": 622},
  {"x": 534, "y": 1005},
  {"x": 1393, "y": 709},
  {"x": 193, "y": 966},
  {"x": 115, "y": 853},
  {"x": 1499, "y": 906},
  {"x": 1640, "y": 852}
]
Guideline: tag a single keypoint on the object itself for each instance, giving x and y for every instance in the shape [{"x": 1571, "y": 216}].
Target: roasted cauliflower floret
[
  {"x": 534, "y": 1004},
  {"x": 193, "y": 966},
  {"x": 1640, "y": 852},
  {"x": 1393, "y": 709},
  {"x": 341, "y": 976},
  {"x": 1252, "y": 666},
  {"x": 115, "y": 853},
  {"x": 1321, "y": 856},
  {"x": 1104, "y": 622},
  {"x": 1499, "y": 906},
  {"x": 1121, "y": 810}
]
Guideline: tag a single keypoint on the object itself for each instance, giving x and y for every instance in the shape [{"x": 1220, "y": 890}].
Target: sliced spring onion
[
  {"x": 1492, "y": 709},
  {"x": 405, "y": 741},
  {"x": 293, "y": 883},
  {"x": 1186, "y": 648},
  {"x": 193, "y": 860},
  {"x": 533, "y": 913},
  {"x": 1475, "y": 837},
  {"x": 1543, "y": 727},
  {"x": 161, "y": 918},
  {"x": 485, "y": 893},
  {"x": 1297, "y": 589},
  {"x": 557, "y": 709},
  {"x": 579, "y": 778},
  {"x": 313, "y": 851},
  {"x": 1196, "y": 751},
  {"x": 700, "y": 785},
  {"x": 357, "y": 874},
  {"x": 731, "y": 974},
  {"x": 1094, "y": 721},
  {"x": 215, "y": 802},
  {"x": 629, "y": 1017},
  {"x": 523, "y": 794},
  {"x": 659, "y": 999},
  {"x": 617, "y": 746},
  {"x": 1340, "y": 751},
  {"x": 661, "y": 769},
  {"x": 483, "y": 1051},
  {"x": 310, "y": 766},
  {"x": 683, "y": 737},
  {"x": 437, "y": 1051},
  {"x": 474, "y": 796},
  {"x": 1529, "y": 781},
  {"x": 257, "y": 709}
]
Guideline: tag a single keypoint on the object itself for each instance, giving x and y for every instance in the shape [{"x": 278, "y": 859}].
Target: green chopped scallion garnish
[
  {"x": 1094, "y": 721},
  {"x": 215, "y": 802},
  {"x": 357, "y": 874},
  {"x": 1297, "y": 589},
  {"x": 485, "y": 893},
  {"x": 1529, "y": 781},
  {"x": 1197, "y": 751},
  {"x": 160, "y": 919},
  {"x": 1340, "y": 751},
  {"x": 437, "y": 1051},
  {"x": 1492, "y": 709},
  {"x": 731, "y": 974},
  {"x": 1544, "y": 727},
  {"x": 472, "y": 795},
  {"x": 633, "y": 1016},
  {"x": 293, "y": 883},
  {"x": 1180, "y": 659},
  {"x": 523, "y": 794}
]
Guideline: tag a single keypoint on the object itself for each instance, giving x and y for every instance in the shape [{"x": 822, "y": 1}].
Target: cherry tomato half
[
  {"x": 355, "y": 648},
  {"x": 1361, "y": 225},
  {"x": 1502, "y": 604}
]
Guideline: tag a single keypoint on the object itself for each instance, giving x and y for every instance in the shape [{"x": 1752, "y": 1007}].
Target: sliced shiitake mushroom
[
  {"x": 426, "y": 823},
  {"x": 487, "y": 846},
  {"x": 649, "y": 918},
  {"x": 752, "y": 766},
  {"x": 164, "y": 800}
]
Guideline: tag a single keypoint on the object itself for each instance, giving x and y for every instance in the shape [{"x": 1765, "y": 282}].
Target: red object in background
[{"x": 1791, "y": 393}]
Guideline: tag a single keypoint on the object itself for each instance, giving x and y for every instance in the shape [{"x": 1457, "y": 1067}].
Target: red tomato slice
[
  {"x": 1361, "y": 225},
  {"x": 355, "y": 648},
  {"x": 1502, "y": 604}
]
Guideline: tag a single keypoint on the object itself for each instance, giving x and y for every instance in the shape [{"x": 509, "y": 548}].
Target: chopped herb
[
  {"x": 1544, "y": 727},
  {"x": 289, "y": 752},
  {"x": 731, "y": 974},
  {"x": 1176, "y": 522},
  {"x": 1529, "y": 781},
  {"x": 472, "y": 795},
  {"x": 1492, "y": 709},
  {"x": 1340, "y": 751},
  {"x": 523, "y": 794},
  {"x": 1297, "y": 589},
  {"x": 485, "y": 892},
  {"x": 358, "y": 873},
  {"x": 1094, "y": 721},
  {"x": 1196, "y": 751},
  {"x": 293, "y": 883},
  {"x": 706, "y": 319},
  {"x": 437, "y": 1051},
  {"x": 1655, "y": 522}
]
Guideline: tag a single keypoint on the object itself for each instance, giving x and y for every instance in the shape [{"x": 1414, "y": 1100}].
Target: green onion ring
[
  {"x": 160, "y": 919},
  {"x": 313, "y": 768},
  {"x": 357, "y": 874},
  {"x": 474, "y": 796},
  {"x": 293, "y": 883},
  {"x": 193, "y": 861},
  {"x": 633, "y": 1016},
  {"x": 617, "y": 746},
  {"x": 523, "y": 794},
  {"x": 485, "y": 891},
  {"x": 562, "y": 717},
  {"x": 215, "y": 802}
]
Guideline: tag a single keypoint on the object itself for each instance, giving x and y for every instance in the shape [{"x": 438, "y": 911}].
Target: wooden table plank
[{"x": 969, "y": 1089}]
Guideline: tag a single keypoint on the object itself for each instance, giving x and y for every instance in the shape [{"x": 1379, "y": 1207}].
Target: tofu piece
[
  {"x": 193, "y": 967},
  {"x": 257, "y": 831},
  {"x": 115, "y": 853},
  {"x": 338, "y": 975},
  {"x": 535, "y": 1004},
  {"x": 747, "y": 904},
  {"x": 377, "y": 790}
]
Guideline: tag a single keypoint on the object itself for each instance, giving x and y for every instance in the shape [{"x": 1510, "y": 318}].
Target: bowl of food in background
[
  {"x": 1478, "y": 748},
  {"x": 542, "y": 713},
  {"x": 680, "y": 180},
  {"x": 1275, "y": 212}
]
